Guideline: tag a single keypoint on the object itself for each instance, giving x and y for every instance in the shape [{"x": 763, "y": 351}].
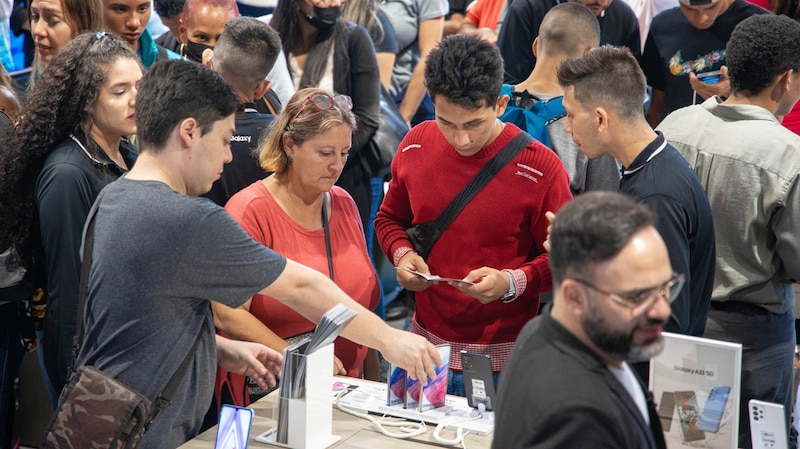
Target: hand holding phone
[{"x": 710, "y": 77}]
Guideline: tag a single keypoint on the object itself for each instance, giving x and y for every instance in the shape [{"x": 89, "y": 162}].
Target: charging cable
[{"x": 409, "y": 429}]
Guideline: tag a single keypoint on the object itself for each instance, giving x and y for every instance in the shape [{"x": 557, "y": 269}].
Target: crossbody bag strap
[
  {"x": 83, "y": 297},
  {"x": 87, "y": 245},
  {"x": 500, "y": 160}
]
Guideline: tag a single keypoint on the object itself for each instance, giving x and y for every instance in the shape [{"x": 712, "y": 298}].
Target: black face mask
[
  {"x": 324, "y": 18},
  {"x": 194, "y": 51}
]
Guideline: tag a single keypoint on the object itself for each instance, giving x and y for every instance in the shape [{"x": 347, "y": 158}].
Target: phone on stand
[
  {"x": 711, "y": 417},
  {"x": 233, "y": 430},
  {"x": 688, "y": 415},
  {"x": 478, "y": 379},
  {"x": 666, "y": 410},
  {"x": 767, "y": 425}
]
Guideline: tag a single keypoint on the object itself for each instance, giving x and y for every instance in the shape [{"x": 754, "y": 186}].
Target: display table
[{"x": 356, "y": 433}]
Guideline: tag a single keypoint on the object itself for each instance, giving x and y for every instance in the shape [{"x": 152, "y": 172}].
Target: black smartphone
[
  {"x": 666, "y": 410},
  {"x": 478, "y": 379}
]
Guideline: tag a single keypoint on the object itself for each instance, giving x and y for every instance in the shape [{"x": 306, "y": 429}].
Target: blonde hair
[{"x": 311, "y": 122}]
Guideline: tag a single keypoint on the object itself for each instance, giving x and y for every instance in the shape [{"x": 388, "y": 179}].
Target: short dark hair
[
  {"x": 172, "y": 91},
  {"x": 592, "y": 229},
  {"x": 246, "y": 52},
  {"x": 567, "y": 29},
  {"x": 466, "y": 70},
  {"x": 608, "y": 76},
  {"x": 168, "y": 9},
  {"x": 761, "y": 47}
]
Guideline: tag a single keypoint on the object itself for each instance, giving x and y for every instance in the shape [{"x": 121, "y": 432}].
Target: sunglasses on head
[{"x": 325, "y": 102}]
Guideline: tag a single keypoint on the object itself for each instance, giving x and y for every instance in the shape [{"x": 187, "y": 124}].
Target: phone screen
[
  {"x": 233, "y": 431},
  {"x": 689, "y": 415},
  {"x": 710, "y": 77},
  {"x": 714, "y": 409}
]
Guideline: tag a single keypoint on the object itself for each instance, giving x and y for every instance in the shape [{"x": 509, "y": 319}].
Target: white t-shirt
[{"x": 628, "y": 379}]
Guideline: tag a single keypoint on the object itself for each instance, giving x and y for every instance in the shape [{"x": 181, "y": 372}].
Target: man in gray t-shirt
[{"x": 161, "y": 256}]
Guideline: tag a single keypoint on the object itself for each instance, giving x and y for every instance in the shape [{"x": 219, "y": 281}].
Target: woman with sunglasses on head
[
  {"x": 298, "y": 212},
  {"x": 323, "y": 50},
  {"x": 70, "y": 143}
]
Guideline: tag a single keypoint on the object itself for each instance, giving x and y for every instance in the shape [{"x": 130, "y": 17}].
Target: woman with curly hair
[
  {"x": 323, "y": 50},
  {"x": 69, "y": 144}
]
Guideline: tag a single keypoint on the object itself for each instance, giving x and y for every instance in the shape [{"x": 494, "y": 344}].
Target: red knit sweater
[{"x": 503, "y": 227}]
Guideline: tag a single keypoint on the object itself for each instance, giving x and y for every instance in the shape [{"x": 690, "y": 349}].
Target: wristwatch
[{"x": 512, "y": 289}]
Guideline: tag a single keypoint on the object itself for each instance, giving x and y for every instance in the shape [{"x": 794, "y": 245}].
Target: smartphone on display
[
  {"x": 711, "y": 417},
  {"x": 688, "y": 415},
  {"x": 768, "y": 428},
  {"x": 478, "y": 379},
  {"x": 233, "y": 430},
  {"x": 666, "y": 410},
  {"x": 710, "y": 77}
]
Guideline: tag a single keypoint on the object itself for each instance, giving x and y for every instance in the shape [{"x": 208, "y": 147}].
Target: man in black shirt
[
  {"x": 244, "y": 54},
  {"x": 686, "y": 41},
  {"x": 607, "y": 118}
]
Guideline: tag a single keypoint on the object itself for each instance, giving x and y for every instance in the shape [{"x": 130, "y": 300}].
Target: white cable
[
  {"x": 410, "y": 429},
  {"x": 460, "y": 434}
]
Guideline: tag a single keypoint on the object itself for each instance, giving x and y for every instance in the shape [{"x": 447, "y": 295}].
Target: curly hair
[
  {"x": 760, "y": 49},
  {"x": 61, "y": 104},
  {"x": 301, "y": 121},
  {"x": 465, "y": 70}
]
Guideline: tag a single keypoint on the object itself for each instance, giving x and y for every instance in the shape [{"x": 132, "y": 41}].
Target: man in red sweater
[{"x": 496, "y": 240}]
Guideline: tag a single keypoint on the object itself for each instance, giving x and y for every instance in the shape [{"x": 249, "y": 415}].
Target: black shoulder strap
[
  {"x": 500, "y": 160},
  {"x": 83, "y": 296}
]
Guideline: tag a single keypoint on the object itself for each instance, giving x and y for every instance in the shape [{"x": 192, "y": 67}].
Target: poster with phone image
[
  {"x": 233, "y": 430},
  {"x": 696, "y": 382}
]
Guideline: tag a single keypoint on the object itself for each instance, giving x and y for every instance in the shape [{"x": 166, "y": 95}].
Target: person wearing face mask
[
  {"x": 325, "y": 51},
  {"x": 201, "y": 24}
]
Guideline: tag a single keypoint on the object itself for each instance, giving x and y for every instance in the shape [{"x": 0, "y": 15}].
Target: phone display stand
[{"x": 307, "y": 417}]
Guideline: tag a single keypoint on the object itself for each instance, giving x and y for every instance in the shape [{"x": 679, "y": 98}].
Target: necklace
[{"x": 94, "y": 159}]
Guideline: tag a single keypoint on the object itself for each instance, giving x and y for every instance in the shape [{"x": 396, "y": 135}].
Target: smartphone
[
  {"x": 711, "y": 417},
  {"x": 478, "y": 379},
  {"x": 710, "y": 77},
  {"x": 434, "y": 393},
  {"x": 233, "y": 430},
  {"x": 666, "y": 410},
  {"x": 688, "y": 415},
  {"x": 768, "y": 428},
  {"x": 396, "y": 391}
]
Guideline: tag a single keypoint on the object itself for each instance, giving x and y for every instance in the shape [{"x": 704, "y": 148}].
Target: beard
[{"x": 618, "y": 344}]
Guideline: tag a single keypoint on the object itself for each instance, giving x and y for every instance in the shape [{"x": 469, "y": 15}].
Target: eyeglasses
[
  {"x": 325, "y": 102},
  {"x": 640, "y": 301}
]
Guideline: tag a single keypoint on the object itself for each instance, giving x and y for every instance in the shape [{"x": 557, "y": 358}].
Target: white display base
[
  {"x": 370, "y": 397},
  {"x": 310, "y": 419}
]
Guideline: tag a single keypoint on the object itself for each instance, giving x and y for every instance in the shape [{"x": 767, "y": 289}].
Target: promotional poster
[{"x": 695, "y": 383}]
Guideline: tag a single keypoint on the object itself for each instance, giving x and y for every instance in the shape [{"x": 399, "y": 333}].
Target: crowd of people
[{"x": 638, "y": 159}]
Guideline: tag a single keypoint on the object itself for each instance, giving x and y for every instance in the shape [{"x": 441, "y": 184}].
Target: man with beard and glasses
[
  {"x": 607, "y": 118},
  {"x": 568, "y": 382}
]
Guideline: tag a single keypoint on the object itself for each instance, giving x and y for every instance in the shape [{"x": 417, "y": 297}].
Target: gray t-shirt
[
  {"x": 406, "y": 16},
  {"x": 159, "y": 259}
]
